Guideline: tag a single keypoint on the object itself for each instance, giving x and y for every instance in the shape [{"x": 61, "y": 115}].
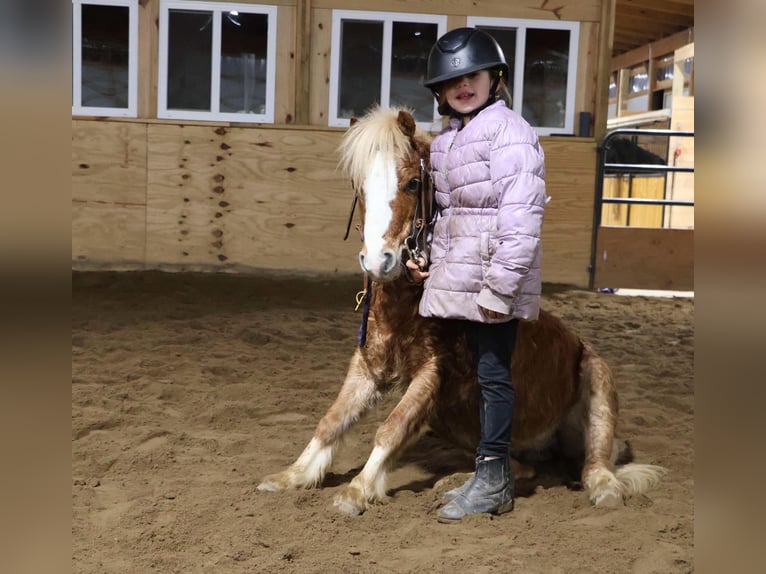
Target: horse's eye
[{"x": 413, "y": 184}]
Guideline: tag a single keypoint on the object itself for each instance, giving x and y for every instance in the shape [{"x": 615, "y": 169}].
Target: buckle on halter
[{"x": 413, "y": 252}]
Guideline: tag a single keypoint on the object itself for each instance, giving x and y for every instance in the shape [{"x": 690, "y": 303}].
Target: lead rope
[{"x": 363, "y": 298}]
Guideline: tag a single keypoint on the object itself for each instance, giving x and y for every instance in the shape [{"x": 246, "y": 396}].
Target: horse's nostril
[{"x": 389, "y": 260}]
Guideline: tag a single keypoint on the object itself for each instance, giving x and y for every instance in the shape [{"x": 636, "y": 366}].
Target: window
[
  {"x": 542, "y": 57},
  {"x": 104, "y": 57},
  {"x": 217, "y": 61},
  {"x": 381, "y": 58},
  {"x": 612, "y": 106},
  {"x": 637, "y": 97}
]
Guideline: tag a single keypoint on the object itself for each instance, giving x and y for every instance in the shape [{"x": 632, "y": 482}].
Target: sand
[{"x": 188, "y": 388}]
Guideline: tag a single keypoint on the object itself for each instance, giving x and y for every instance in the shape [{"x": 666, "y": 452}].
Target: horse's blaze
[{"x": 380, "y": 188}]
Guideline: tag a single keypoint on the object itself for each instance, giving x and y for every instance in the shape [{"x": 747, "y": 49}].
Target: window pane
[
  {"x": 360, "y": 67},
  {"x": 409, "y": 58},
  {"x": 545, "y": 77},
  {"x": 105, "y": 51},
  {"x": 190, "y": 47},
  {"x": 664, "y": 68},
  {"x": 639, "y": 79},
  {"x": 243, "y": 62},
  {"x": 506, "y": 37}
]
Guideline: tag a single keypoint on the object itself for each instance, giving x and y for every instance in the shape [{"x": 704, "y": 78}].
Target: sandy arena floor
[{"x": 187, "y": 389}]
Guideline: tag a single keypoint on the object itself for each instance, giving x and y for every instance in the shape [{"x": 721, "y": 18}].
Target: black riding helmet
[{"x": 462, "y": 51}]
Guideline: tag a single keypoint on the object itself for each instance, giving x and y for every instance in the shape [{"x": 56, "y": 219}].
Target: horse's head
[{"x": 386, "y": 158}]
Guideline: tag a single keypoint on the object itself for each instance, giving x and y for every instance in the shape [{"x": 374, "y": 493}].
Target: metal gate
[{"x": 635, "y": 252}]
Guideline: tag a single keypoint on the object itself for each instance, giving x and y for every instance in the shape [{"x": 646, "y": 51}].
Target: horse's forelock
[{"x": 377, "y": 132}]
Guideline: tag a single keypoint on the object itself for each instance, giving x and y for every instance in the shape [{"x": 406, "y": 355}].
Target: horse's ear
[
  {"x": 406, "y": 123},
  {"x": 353, "y": 121}
]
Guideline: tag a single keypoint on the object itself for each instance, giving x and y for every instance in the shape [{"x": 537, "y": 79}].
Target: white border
[
  {"x": 521, "y": 26},
  {"x": 215, "y": 114},
  {"x": 77, "y": 108},
  {"x": 388, "y": 18}
]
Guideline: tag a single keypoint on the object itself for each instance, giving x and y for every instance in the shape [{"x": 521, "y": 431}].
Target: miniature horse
[{"x": 564, "y": 391}]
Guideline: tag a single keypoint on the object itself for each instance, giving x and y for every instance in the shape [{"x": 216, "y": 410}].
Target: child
[{"x": 488, "y": 170}]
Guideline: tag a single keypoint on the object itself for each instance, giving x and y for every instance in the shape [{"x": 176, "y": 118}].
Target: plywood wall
[
  {"x": 109, "y": 171},
  {"x": 221, "y": 198},
  {"x": 266, "y": 198},
  {"x": 645, "y": 258},
  {"x": 570, "y": 179}
]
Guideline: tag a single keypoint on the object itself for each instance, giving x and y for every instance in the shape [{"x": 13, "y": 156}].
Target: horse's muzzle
[{"x": 381, "y": 267}]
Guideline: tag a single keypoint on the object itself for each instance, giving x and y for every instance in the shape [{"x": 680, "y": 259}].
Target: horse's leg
[
  {"x": 356, "y": 396},
  {"x": 405, "y": 424},
  {"x": 602, "y": 486},
  {"x": 588, "y": 436}
]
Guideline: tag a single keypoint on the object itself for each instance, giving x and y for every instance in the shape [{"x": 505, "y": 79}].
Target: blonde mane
[{"x": 376, "y": 132}]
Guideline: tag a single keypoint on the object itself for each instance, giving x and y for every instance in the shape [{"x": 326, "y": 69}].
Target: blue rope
[{"x": 362, "y": 336}]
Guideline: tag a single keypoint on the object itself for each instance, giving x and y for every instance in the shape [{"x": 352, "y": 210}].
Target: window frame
[
  {"x": 521, "y": 25},
  {"x": 131, "y": 111},
  {"x": 387, "y": 18},
  {"x": 217, "y": 9}
]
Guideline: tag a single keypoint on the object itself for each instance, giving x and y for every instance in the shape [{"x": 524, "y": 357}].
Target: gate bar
[{"x": 602, "y": 168}]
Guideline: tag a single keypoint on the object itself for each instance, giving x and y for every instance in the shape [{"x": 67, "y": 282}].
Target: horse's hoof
[
  {"x": 346, "y": 506},
  {"x": 272, "y": 483},
  {"x": 607, "y": 500},
  {"x": 604, "y": 490}
]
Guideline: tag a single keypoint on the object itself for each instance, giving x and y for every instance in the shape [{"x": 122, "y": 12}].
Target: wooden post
[
  {"x": 605, "y": 42},
  {"x": 622, "y": 90},
  {"x": 303, "y": 62},
  {"x": 148, "y": 47},
  {"x": 679, "y": 62}
]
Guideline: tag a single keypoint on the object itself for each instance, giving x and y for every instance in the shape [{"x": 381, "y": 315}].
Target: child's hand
[
  {"x": 489, "y": 313},
  {"x": 415, "y": 269}
]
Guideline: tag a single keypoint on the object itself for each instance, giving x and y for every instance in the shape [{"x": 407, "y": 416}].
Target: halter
[{"x": 416, "y": 244}]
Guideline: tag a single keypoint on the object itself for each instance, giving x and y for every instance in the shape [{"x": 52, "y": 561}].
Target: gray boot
[
  {"x": 490, "y": 490},
  {"x": 463, "y": 488}
]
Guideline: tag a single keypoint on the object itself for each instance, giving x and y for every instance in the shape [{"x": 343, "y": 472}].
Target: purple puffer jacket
[{"x": 490, "y": 192}]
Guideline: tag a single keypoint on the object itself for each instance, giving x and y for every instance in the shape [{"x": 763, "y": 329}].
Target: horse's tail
[{"x": 638, "y": 478}]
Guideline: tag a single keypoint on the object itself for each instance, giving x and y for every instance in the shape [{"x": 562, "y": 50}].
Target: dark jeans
[{"x": 493, "y": 344}]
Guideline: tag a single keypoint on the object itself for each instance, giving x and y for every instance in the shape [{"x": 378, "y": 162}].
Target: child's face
[{"x": 468, "y": 92}]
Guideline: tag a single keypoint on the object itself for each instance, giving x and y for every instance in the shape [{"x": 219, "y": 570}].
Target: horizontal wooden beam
[
  {"x": 659, "y": 48},
  {"x": 629, "y": 14},
  {"x": 645, "y": 35},
  {"x": 685, "y": 7}
]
